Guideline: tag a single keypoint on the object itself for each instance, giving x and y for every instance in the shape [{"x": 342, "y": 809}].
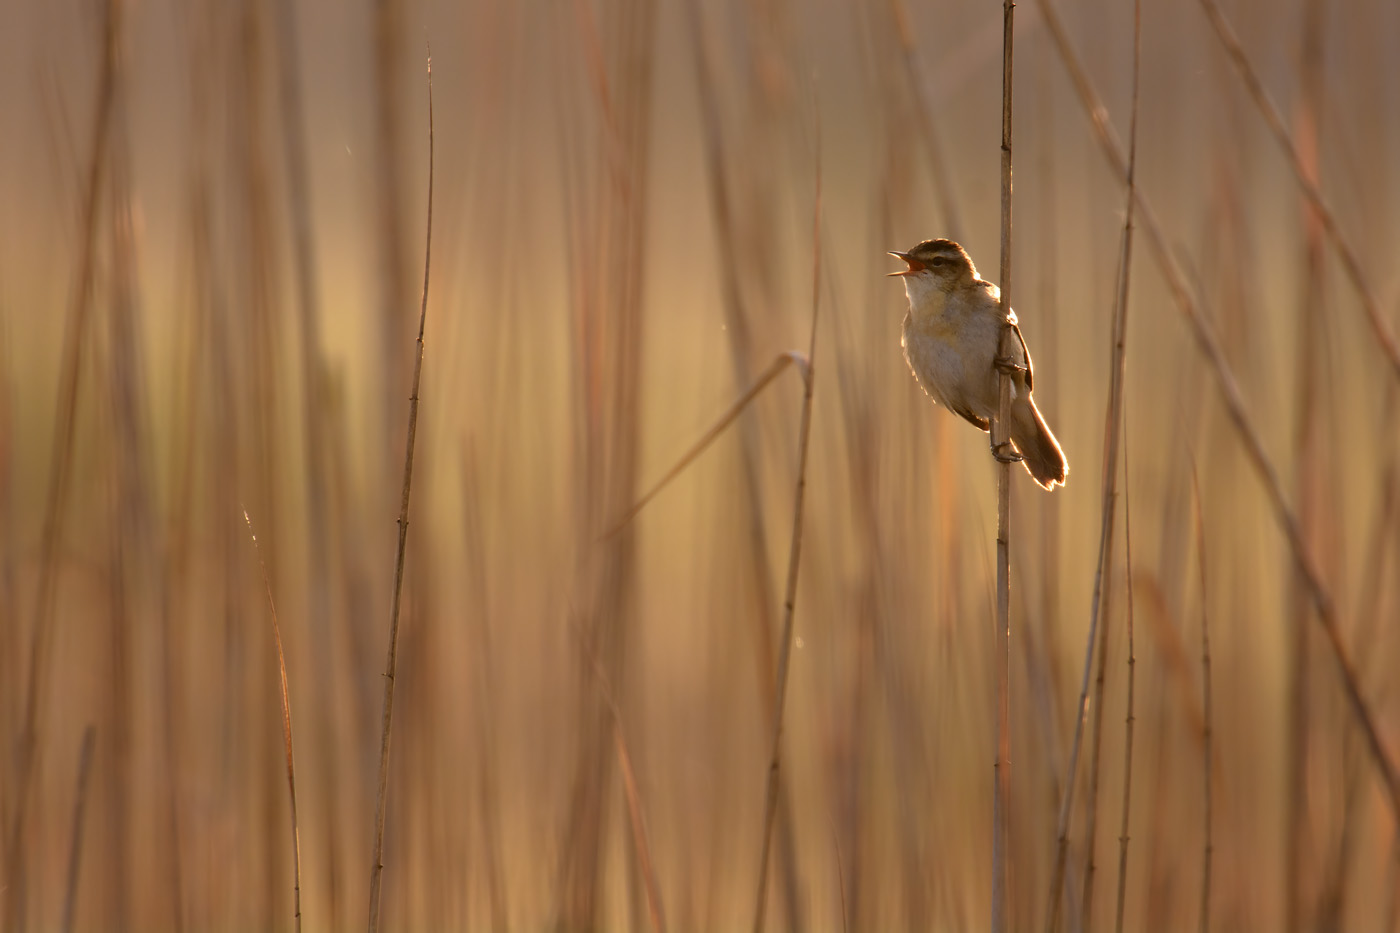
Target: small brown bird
[{"x": 951, "y": 336}]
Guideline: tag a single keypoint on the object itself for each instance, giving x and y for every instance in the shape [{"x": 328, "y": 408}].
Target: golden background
[{"x": 209, "y": 306}]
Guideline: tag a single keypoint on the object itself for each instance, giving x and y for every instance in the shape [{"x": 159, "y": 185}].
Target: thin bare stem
[
  {"x": 1233, "y": 399},
  {"x": 770, "y": 801},
  {"x": 286, "y": 728},
  {"x": 1129, "y": 720},
  {"x": 1001, "y": 768},
  {"x": 75, "y": 850},
  {"x": 1114, "y": 427},
  {"x": 381, "y": 795},
  {"x": 1120, "y": 372},
  {"x": 1206, "y": 744},
  {"x": 1306, "y": 181},
  {"x": 1102, "y": 574},
  {"x": 1091, "y": 823}
]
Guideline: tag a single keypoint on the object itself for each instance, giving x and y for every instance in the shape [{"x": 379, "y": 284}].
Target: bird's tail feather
[{"x": 1041, "y": 453}]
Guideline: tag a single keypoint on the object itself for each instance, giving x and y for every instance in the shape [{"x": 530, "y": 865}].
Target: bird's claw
[
  {"x": 1005, "y": 364},
  {"x": 1000, "y": 454}
]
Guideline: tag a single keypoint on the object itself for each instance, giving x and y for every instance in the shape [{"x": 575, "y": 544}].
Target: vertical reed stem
[{"x": 1001, "y": 774}]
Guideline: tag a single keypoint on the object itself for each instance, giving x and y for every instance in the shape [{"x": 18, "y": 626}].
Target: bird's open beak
[{"x": 914, "y": 264}]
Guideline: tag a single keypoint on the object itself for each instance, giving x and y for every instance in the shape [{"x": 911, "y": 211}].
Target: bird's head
[{"x": 940, "y": 264}]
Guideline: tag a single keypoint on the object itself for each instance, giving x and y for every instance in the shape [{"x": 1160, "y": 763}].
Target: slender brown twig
[
  {"x": 1001, "y": 768},
  {"x": 286, "y": 728},
  {"x": 1129, "y": 721},
  {"x": 1121, "y": 429},
  {"x": 381, "y": 795},
  {"x": 770, "y": 802}
]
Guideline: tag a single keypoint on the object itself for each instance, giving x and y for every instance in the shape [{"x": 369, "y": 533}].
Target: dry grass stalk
[
  {"x": 1129, "y": 719},
  {"x": 75, "y": 849},
  {"x": 1001, "y": 769},
  {"x": 1120, "y": 372},
  {"x": 1115, "y": 427},
  {"x": 391, "y": 663},
  {"x": 794, "y": 554},
  {"x": 286, "y": 728},
  {"x": 1231, "y": 396}
]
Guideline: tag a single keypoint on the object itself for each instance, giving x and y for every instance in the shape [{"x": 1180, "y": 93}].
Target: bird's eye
[{"x": 939, "y": 261}]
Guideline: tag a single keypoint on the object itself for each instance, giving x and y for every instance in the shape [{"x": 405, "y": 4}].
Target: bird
[{"x": 951, "y": 338}]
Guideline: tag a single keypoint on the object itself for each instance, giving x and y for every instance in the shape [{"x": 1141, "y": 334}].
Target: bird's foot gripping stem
[{"x": 1005, "y": 453}]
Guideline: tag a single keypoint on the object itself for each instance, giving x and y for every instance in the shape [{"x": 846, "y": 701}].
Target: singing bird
[{"x": 951, "y": 336}]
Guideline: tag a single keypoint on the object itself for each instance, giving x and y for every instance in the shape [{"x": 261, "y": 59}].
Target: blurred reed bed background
[{"x": 212, "y": 231}]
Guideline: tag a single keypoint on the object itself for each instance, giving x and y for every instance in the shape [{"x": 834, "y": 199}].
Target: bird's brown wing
[{"x": 981, "y": 423}]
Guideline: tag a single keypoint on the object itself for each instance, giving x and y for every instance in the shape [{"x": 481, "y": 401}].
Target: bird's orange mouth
[{"x": 914, "y": 264}]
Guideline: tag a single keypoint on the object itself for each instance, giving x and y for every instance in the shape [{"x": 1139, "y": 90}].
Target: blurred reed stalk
[
  {"x": 391, "y": 662},
  {"x": 391, "y": 226},
  {"x": 313, "y": 412},
  {"x": 1207, "y": 721},
  {"x": 75, "y": 847},
  {"x": 1309, "y": 464},
  {"x": 488, "y": 791},
  {"x": 1308, "y": 180},
  {"x": 656, "y": 913},
  {"x": 739, "y": 328},
  {"x": 606, "y": 193},
  {"x": 913, "y": 71},
  {"x": 1001, "y": 769},
  {"x": 1244, "y": 425},
  {"x": 18, "y": 856}
]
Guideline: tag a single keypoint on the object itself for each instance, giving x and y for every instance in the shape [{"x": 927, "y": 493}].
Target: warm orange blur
[{"x": 211, "y": 257}]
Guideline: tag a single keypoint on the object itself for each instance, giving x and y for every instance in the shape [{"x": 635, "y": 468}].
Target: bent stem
[
  {"x": 286, "y": 729},
  {"x": 381, "y": 795},
  {"x": 770, "y": 801}
]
